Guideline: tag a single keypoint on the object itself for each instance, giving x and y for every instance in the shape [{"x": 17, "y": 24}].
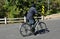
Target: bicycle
[{"x": 25, "y": 29}]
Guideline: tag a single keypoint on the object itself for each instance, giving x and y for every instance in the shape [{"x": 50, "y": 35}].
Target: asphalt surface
[{"x": 11, "y": 31}]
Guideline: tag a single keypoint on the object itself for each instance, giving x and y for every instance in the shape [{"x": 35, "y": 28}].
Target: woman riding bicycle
[{"x": 31, "y": 26}]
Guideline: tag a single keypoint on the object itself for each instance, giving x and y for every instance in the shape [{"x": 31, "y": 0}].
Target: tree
[
  {"x": 2, "y": 11},
  {"x": 17, "y": 8},
  {"x": 10, "y": 6}
]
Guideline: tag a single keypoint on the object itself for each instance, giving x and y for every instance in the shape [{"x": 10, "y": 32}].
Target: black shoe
[
  {"x": 35, "y": 33},
  {"x": 32, "y": 30}
]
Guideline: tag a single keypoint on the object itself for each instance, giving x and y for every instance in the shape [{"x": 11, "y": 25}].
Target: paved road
[{"x": 11, "y": 31}]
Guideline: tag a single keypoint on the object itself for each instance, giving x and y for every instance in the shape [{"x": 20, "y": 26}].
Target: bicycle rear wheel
[{"x": 25, "y": 29}]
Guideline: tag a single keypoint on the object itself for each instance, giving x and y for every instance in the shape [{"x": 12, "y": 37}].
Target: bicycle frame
[{"x": 37, "y": 22}]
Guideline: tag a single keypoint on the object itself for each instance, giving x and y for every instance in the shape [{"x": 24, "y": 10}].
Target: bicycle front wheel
[
  {"x": 41, "y": 25},
  {"x": 25, "y": 29}
]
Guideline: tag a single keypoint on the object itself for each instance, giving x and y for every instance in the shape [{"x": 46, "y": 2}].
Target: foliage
[
  {"x": 54, "y": 7},
  {"x": 2, "y": 11},
  {"x": 17, "y": 8}
]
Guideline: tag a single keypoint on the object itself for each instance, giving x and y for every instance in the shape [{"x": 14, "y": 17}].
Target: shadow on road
[{"x": 42, "y": 31}]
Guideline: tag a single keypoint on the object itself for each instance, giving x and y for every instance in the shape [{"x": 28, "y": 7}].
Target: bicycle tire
[
  {"x": 41, "y": 25},
  {"x": 26, "y": 27}
]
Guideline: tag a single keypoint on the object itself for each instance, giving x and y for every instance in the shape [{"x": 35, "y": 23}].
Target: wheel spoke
[
  {"x": 25, "y": 30},
  {"x": 41, "y": 25}
]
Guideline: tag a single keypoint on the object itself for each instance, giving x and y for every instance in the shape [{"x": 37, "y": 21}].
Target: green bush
[{"x": 17, "y": 8}]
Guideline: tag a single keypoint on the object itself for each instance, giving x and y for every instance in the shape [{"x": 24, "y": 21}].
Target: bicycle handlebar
[{"x": 38, "y": 16}]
